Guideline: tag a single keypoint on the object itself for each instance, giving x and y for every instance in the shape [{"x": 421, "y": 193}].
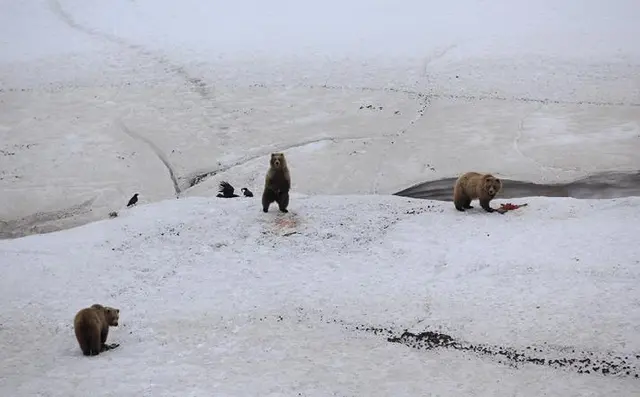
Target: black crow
[
  {"x": 226, "y": 190},
  {"x": 133, "y": 200}
]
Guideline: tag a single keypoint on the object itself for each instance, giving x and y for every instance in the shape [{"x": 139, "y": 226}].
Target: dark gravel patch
[
  {"x": 592, "y": 363},
  {"x": 582, "y": 362}
]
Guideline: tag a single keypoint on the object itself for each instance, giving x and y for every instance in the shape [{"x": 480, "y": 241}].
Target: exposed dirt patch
[
  {"x": 597, "y": 363},
  {"x": 583, "y": 362}
]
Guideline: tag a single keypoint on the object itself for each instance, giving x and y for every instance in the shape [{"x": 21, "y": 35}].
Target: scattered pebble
[{"x": 371, "y": 107}]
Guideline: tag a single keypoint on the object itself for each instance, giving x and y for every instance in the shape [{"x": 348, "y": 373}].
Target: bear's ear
[
  {"x": 273, "y": 155},
  {"x": 117, "y": 310}
]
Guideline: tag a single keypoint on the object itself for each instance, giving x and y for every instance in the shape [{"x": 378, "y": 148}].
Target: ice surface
[
  {"x": 103, "y": 99},
  {"x": 542, "y": 91},
  {"x": 218, "y": 298}
]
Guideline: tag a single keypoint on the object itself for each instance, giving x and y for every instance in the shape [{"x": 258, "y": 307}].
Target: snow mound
[{"x": 218, "y": 298}]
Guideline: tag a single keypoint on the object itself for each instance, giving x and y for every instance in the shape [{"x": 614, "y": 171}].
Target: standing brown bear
[
  {"x": 277, "y": 183},
  {"x": 473, "y": 185},
  {"x": 91, "y": 326}
]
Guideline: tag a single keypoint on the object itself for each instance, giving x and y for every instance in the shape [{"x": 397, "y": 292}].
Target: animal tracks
[{"x": 197, "y": 85}]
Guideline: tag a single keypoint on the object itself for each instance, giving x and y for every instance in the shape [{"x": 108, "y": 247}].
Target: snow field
[{"x": 216, "y": 296}]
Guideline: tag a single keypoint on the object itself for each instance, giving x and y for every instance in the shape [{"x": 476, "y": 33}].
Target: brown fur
[
  {"x": 91, "y": 326},
  {"x": 277, "y": 183},
  {"x": 473, "y": 185}
]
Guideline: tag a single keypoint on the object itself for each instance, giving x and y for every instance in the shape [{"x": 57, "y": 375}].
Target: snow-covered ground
[
  {"x": 218, "y": 298},
  {"x": 102, "y": 99}
]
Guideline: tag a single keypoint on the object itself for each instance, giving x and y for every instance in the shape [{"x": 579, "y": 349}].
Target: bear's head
[
  {"x": 111, "y": 314},
  {"x": 492, "y": 185},
  {"x": 278, "y": 160}
]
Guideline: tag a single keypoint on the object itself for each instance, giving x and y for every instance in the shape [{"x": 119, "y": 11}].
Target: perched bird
[
  {"x": 226, "y": 190},
  {"x": 133, "y": 200},
  {"x": 246, "y": 192}
]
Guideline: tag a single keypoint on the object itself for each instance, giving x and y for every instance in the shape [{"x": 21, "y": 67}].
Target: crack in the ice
[
  {"x": 516, "y": 145},
  {"x": 435, "y": 56},
  {"x": 543, "y": 101},
  {"x": 419, "y": 114},
  {"x": 156, "y": 150},
  {"x": 195, "y": 83},
  {"x": 425, "y": 99},
  {"x": 471, "y": 98},
  {"x": 201, "y": 176}
]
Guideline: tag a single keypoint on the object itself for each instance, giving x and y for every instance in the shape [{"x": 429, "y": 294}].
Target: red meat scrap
[{"x": 509, "y": 206}]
